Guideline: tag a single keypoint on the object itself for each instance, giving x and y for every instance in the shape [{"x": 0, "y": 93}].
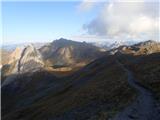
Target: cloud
[
  {"x": 126, "y": 20},
  {"x": 85, "y": 5}
]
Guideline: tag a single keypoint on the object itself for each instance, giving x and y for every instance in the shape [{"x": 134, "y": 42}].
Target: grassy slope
[
  {"x": 148, "y": 72},
  {"x": 102, "y": 81}
]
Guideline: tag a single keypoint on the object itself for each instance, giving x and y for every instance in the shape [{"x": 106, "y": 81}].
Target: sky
[{"x": 107, "y": 20}]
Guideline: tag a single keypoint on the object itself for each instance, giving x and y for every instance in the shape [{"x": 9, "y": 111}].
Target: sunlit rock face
[
  {"x": 30, "y": 59},
  {"x": 25, "y": 59},
  {"x": 143, "y": 48},
  {"x": 22, "y": 60},
  {"x": 16, "y": 54},
  {"x": 148, "y": 47}
]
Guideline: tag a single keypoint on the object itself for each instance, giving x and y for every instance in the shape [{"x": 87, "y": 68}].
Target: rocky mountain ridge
[
  {"x": 23, "y": 59},
  {"x": 63, "y": 52},
  {"x": 144, "y": 48},
  {"x": 97, "y": 91}
]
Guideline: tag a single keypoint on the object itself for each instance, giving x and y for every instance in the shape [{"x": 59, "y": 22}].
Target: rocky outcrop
[
  {"x": 15, "y": 55},
  {"x": 4, "y": 56},
  {"x": 26, "y": 59},
  {"x": 143, "y": 48},
  {"x": 30, "y": 59},
  {"x": 147, "y": 47}
]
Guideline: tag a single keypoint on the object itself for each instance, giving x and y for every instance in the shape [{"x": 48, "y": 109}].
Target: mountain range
[
  {"x": 59, "y": 55},
  {"x": 97, "y": 90}
]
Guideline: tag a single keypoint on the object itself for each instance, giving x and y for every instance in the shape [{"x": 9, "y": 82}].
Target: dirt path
[{"x": 144, "y": 107}]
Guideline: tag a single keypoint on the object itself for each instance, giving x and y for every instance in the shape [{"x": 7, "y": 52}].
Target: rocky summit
[
  {"x": 23, "y": 59},
  {"x": 63, "y": 52},
  {"x": 30, "y": 59}
]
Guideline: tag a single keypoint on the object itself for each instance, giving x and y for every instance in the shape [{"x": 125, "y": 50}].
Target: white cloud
[
  {"x": 127, "y": 20},
  {"x": 86, "y": 5}
]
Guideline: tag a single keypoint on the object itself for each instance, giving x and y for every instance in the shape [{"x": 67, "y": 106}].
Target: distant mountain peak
[
  {"x": 66, "y": 52},
  {"x": 147, "y": 43},
  {"x": 142, "y": 48},
  {"x": 62, "y": 38},
  {"x": 30, "y": 59},
  {"x": 25, "y": 59}
]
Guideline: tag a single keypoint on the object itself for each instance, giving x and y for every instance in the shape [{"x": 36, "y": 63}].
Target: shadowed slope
[{"x": 98, "y": 91}]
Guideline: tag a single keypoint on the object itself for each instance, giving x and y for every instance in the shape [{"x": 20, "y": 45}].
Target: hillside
[{"x": 99, "y": 90}]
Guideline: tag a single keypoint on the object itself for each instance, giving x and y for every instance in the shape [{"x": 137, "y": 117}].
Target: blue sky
[
  {"x": 42, "y": 21},
  {"x": 80, "y": 20}
]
